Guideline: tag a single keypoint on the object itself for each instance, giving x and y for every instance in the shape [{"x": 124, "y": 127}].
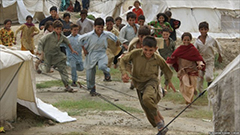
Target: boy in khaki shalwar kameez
[
  {"x": 49, "y": 45},
  {"x": 113, "y": 47},
  {"x": 145, "y": 76}
]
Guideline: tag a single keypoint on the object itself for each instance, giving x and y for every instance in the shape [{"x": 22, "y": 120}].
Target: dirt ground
[{"x": 113, "y": 122}]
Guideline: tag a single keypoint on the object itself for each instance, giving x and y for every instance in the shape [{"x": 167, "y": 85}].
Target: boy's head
[
  {"x": 83, "y": 14},
  {"x": 143, "y": 31},
  {"x": 168, "y": 14},
  {"x": 29, "y": 19},
  {"x": 74, "y": 29},
  {"x": 165, "y": 33},
  {"x": 98, "y": 25},
  {"x": 118, "y": 21},
  {"x": 66, "y": 17},
  {"x": 7, "y": 24},
  {"x": 186, "y": 38},
  {"x": 161, "y": 17},
  {"x": 57, "y": 25},
  {"x": 131, "y": 17},
  {"x": 141, "y": 20},
  {"x": 48, "y": 26},
  {"x": 149, "y": 46},
  {"x": 109, "y": 23},
  {"x": 136, "y": 4},
  {"x": 203, "y": 28},
  {"x": 53, "y": 11}
]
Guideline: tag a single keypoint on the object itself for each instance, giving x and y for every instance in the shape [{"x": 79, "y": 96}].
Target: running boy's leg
[
  {"x": 61, "y": 67},
  {"x": 73, "y": 72},
  {"x": 102, "y": 65},
  {"x": 90, "y": 75}
]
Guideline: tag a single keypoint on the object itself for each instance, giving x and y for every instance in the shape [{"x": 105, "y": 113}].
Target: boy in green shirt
[
  {"x": 49, "y": 45},
  {"x": 146, "y": 64}
]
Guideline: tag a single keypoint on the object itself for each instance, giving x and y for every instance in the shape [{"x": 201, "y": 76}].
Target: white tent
[
  {"x": 223, "y": 16},
  {"x": 18, "y": 10},
  {"x": 17, "y": 81},
  {"x": 224, "y": 95}
]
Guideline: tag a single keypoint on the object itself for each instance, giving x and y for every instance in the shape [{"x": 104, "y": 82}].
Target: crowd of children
[{"x": 142, "y": 56}]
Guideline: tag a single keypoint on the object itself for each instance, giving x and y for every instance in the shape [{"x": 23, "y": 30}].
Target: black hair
[
  {"x": 144, "y": 30},
  {"x": 66, "y": 14},
  {"x": 141, "y": 17},
  {"x": 29, "y": 16},
  {"x": 166, "y": 29},
  {"x": 162, "y": 14},
  {"x": 131, "y": 15},
  {"x": 168, "y": 13},
  {"x": 53, "y": 8},
  {"x": 99, "y": 21},
  {"x": 84, "y": 11},
  {"x": 185, "y": 34},
  {"x": 136, "y": 2},
  {"x": 203, "y": 25},
  {"x": 47, "y": 25},
  {"x": 118, "y": 18},
  {"x": 74, "y": 26},
  {"x": 6, "y": 21},
  {"x": 109, "y": 19},
  {"x": 150, "y": 41},
  {"x": 57, "y": 23}
]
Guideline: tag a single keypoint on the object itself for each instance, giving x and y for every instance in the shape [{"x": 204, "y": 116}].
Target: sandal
[
  {"x": 107, "y": 77},
  {"x": 69, "y": 89},
  {"x": 93, "y": 92},
  {"x": 160, "y": 126}
]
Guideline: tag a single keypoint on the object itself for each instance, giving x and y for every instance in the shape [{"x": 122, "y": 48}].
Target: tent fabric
[
  {"x": 23, "y": 8},
  {"x": 223, "y": 95},
  {"x": 18, "y": 85},
  {"x": 223, "y": 16}
]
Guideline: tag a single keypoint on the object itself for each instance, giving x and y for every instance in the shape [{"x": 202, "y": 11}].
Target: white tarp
[
  {"x": 223, "y": 16},
  {"x": 223, "y": 95},
  {"x": 18, "y": 85},
  {"x": 23, "y": 8}
]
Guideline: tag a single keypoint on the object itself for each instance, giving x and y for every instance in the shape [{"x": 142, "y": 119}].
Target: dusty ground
[{"x": 113, "y": 122}]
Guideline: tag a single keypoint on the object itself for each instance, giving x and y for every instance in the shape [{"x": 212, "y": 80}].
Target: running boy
[
  {"x": 167, "y": 50},
  {"x": 95, "y": 46},
  {"x": 49, "y": 46},
  {"x": 129, "y": 31},
  {"x": 74, "y": 60},
  {"x": 205, "y": 45},
  {"x": 113, "y": 47},
  {"x": 28, "y": 32},
  {"x": 146, "y": 64}
]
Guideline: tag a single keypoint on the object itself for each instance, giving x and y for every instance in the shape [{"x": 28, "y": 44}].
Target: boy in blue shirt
[
  {"x": 95, "y": 46},
  {"x": 74, "y": 60}
]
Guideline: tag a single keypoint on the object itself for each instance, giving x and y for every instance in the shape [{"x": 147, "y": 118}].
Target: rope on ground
[{"x": 159, "y": 133}]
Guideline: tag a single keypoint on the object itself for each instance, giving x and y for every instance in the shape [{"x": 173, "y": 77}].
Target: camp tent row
[{"x": 222, "y": 15}]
